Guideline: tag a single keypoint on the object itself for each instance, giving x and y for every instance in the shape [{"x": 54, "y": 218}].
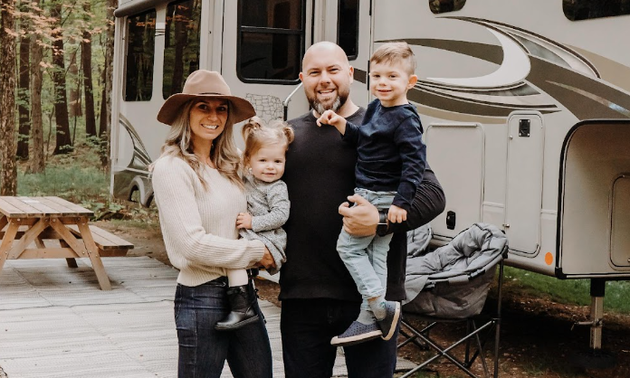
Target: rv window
[
  {"x": 140, "y": 54},
  {"x": 576, "y": 10},
  {"x": 444, "y": 6},
  {"x": 270, "y": 40},
  {"x": 181, "y": 49},
  {"x": 348, "y": 27}
]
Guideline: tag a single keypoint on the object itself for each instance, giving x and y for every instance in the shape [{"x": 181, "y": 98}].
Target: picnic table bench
[
  {"x": 109, "y": 245},
  {"x": 59, "y": 229}
]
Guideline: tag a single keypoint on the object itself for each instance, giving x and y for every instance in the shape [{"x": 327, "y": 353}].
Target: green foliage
[
  {"x": 70, "y": 182},
  {"x": 617, "y": 296},
  {"x": 77, "y": 177},
  {"x": 76, "y": 18}
]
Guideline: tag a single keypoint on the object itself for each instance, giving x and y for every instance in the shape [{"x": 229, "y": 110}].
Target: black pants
[
  {"x": 307, "y": 325},
  {"x": 429, "y": 202}
]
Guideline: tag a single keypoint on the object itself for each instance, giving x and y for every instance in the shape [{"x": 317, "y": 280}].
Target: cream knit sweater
[{"x": 199, "y": 225}]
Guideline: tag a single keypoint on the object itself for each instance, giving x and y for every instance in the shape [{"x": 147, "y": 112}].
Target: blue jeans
[
  {"x": 307, "y": 325},
  {"x": 203, "y": 350},
  {"x": 365, "y": 257}
]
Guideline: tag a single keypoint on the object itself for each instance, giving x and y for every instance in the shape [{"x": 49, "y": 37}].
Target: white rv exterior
[{"x": 526, "y": 111}]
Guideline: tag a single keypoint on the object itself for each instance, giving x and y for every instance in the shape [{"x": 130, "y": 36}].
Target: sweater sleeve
[
  {"x": 174, "y": 186},
  {"x": 352, "y": 134},
  {"x": 279, "y": 206},
  {"x": 413, "y": 154}
]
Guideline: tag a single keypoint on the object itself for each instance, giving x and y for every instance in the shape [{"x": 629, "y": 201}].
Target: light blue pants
[{"x": 365, "y": 257}]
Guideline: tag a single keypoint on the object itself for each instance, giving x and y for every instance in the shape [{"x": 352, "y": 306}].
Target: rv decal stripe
[
  {"x": 466, "y": 106},
  {"x": 483, "y": 51},
  {"x": 140, "y": 158},
  {"x": 519, "y": 89},
  {"x": 540, "y": 39},
  {"x": 608, "y": 104},
  {"x": 520, "y": 102},
  {"x": 585, "y": 97},
  {"x": 533, "y": 72}
]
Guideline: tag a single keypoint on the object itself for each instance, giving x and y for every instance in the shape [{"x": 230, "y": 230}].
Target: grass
[
  {"x": 617, "y": 296},
  {"x": 78, "y": 177},
  {"x": 77, "y": 184}
]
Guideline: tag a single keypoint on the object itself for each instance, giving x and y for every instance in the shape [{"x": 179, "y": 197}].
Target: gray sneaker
[
  {"x": 357, "y": 333},
  {"x": 390, "y": 321}
]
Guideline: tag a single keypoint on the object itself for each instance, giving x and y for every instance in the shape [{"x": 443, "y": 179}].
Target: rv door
[
  {"x": 524, "y": 182},
  {"x": 260, "y": 51},
  {"x": 262, "y": 44}
]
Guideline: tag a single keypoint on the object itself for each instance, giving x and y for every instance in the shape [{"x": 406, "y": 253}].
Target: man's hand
[
  {"x": 244, "y": 220},
  {"x": 267, "y": 260},
  {"x": 396, "y": 214},
  {"x": 361, "y": 219},
  {"x": 331, "y": 118}
]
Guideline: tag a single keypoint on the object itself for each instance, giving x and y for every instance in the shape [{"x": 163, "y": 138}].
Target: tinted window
[
  {"x": 585, "y": 9},
  {"x": 140, "y": 56},
  {"x": 270, "y": 40},
  {"x": 181, "y": 52},
  {"x": 348, "y": 28},
  {"x": 444, "y": 6}
]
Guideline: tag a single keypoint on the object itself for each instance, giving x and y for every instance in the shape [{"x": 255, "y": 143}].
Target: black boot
[{"x": 242, "y": 301}]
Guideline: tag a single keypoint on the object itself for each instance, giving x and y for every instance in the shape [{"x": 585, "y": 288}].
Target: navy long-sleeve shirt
[{"x": 391, "y": 153}]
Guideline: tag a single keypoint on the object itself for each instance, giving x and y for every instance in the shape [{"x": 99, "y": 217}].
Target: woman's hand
[
  {"x": 361, "y": 219},
  {"x": 267, "y": 260},
  {"x": 244, "y": 220}
]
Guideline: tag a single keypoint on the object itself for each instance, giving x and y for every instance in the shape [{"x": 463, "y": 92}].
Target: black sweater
[
  {"x": 320, "y": 174},
  {"x": 391, "y": 153}
]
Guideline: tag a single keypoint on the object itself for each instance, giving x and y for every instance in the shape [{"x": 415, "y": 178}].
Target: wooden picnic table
[{"x": 25, "y": 221}]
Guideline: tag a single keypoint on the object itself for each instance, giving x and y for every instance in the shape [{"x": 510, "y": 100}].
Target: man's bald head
[
  {"x": 327, "y": 75},
  {"x": 325, "y": 48}
]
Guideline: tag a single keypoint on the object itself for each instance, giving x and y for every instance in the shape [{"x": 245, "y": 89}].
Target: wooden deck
[{"x": 55, "y": 323}]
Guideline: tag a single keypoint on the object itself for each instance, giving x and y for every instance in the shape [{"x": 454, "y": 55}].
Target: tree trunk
[
  {"x": 63, "y": 140},
  {"x": 181, "y": 36},
  {"x": 86, "y": 62},
  {"x": 105, "y": 120},
  {"x": 37, "y": 162},
  {"x": 24, "y": 92},
  {"x": 8, "y": 173},
  {"x": 74, "y": 93}
]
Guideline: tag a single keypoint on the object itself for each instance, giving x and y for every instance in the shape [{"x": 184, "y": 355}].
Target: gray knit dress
[{"x": 269, "y": 205}]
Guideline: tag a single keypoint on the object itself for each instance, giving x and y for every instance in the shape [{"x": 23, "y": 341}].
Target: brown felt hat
[{"x": 205, "y": 84}]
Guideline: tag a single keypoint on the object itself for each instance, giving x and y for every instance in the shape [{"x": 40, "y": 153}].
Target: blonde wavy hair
[{"x": 224, "y": 153}]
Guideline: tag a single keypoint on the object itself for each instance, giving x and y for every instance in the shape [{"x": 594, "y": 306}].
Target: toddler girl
[{"x": 267, "y": 209}]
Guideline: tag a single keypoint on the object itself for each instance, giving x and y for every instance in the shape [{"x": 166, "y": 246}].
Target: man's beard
[{"x": 334, "y": 106}]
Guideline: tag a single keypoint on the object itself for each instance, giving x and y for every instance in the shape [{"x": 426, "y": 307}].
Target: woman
[{"x": 199, "y": 194}]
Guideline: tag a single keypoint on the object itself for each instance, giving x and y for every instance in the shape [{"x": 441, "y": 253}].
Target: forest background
[{"x": 55, "y": 82}]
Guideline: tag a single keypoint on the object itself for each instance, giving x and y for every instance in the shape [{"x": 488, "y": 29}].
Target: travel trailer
[{"x": 525, "y": 104}]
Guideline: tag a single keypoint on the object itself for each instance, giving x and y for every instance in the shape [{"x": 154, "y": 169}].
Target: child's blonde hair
[
  {"x": 257, "y": 135},
  {"x": 392, "y": 52}
]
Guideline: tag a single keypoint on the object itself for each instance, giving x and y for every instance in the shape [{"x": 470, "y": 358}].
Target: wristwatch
[{"x": 382, "y": 226}]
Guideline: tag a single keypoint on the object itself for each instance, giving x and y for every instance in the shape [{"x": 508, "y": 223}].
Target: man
[{"x": 319, "y": 297}]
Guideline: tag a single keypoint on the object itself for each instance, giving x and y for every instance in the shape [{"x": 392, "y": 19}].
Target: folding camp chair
[{"x": 450, "y": 285}]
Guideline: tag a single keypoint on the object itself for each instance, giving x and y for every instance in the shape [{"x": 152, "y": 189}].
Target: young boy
[{"x": 390, "y": 166}]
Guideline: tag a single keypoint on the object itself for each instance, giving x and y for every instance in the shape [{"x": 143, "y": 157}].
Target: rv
[{"x": 525, "y": 104}]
